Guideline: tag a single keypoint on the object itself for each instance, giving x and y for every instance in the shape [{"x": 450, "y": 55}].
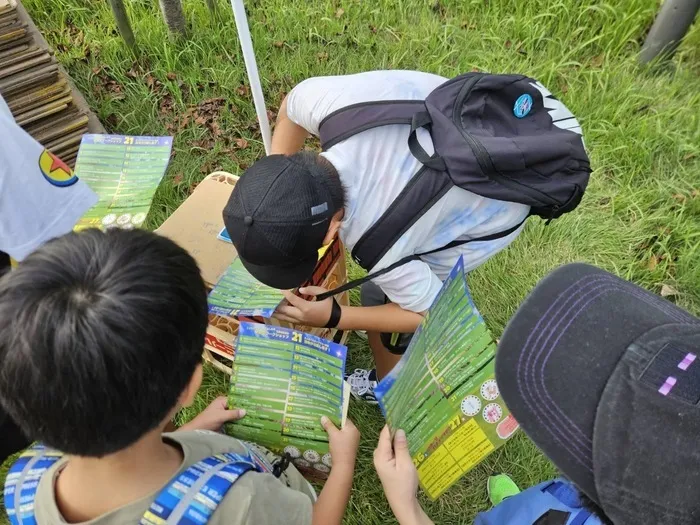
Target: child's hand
[
  {"x": 343, "y": 443},
  {"x": 398, "y": 476},
  {"x": 214, "y": 416}
]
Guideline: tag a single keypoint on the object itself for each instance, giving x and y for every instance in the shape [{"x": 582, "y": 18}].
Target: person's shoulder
[
  {"x": 262, "y": 498},
  {"x": 199, "y": 444}
]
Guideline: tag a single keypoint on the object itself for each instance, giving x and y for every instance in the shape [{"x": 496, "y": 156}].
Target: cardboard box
[{"x": 197, "y": 222}]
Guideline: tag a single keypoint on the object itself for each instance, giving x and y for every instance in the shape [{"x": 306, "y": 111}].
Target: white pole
[{"x": 252, "y": 69}]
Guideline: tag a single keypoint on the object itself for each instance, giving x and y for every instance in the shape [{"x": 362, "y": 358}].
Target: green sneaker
[{"x": 501, "y": 487}]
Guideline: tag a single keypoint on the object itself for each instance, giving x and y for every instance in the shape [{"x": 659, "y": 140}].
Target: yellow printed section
[
  {"x": 322, "y": 250},
  {"x": 465, "y": 448}
]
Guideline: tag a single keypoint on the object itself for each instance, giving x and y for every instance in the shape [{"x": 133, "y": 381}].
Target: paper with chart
[
  {"x": 287, "y": 380},
  {"x": 125, "y": 172},
  {"x": 239, "y": 293},
  {"x": 443, "y": 392}
]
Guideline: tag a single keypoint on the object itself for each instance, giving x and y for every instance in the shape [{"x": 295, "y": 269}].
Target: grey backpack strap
[{"x": 356, "y": 118}]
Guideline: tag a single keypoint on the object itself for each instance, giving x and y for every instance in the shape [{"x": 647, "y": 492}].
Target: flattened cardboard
[{"x": 196, "y": 224}]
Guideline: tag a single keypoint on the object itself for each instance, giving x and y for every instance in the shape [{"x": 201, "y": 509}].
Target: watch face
[
  {"x": 326, "y": 460},
  {"x": 471, "y": 405},
  {"x": 293, "y": 452},
  {"x": 489, "y": 390},
  {"x": 312, "y": 456},
  {"x": 492, "y": 413}
]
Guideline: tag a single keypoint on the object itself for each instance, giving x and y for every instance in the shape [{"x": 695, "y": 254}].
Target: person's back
[
  {"x": 376, "y": 165},
  {"x": 100, "y": 346}
]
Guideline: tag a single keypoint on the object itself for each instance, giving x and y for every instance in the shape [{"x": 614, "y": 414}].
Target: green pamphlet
[
  {"x": 287, "y": 380},
  {"x": 443, "y": 392},
  {"x": 239, "y": 293},
  {"x": 125, "y": 172}
]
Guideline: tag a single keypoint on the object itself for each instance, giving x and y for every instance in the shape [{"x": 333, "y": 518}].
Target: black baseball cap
[
  {"x": 277, "y": 217},
  {"x": 604, "y": 377}
]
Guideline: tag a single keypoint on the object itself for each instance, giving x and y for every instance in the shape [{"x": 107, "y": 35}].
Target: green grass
[{"x": 640, "y": 217}]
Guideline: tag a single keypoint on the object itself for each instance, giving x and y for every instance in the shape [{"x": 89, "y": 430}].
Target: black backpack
[{"x": 505, "y": 137}]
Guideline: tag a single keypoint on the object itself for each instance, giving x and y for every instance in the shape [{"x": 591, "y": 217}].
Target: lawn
[{"x": 640, "y": 217}]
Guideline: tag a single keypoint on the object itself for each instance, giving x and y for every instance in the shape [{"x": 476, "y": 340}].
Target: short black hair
[
  {"x": 100, "y": 333},
  {"x": 313, "y": 161}
]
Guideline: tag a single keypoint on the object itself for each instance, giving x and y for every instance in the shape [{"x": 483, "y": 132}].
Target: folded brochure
[
  {"x": 287, "y": 380},
  {"x": 125, "y": 172},
  {"x": 239, "y": 293},
  {"x": 443, "y": 392}
]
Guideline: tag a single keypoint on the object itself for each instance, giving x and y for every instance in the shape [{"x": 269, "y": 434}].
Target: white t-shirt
[
  {"x": 39, "y": 196},
  {"x": 376, "y": 165}
]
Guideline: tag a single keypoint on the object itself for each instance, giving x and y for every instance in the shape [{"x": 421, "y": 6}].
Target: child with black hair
[{"x": 100, "y": 345}]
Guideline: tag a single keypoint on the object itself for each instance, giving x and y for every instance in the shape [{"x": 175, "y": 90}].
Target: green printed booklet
[
  {"x": 125, "y": 172},
  {"x": 239, "y": 293},
  {"x": 287, "y": 380},
  {"x": 443, "y": 392}
]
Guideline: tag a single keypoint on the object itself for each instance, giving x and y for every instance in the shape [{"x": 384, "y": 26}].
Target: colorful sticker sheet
[
  {"x": 443, "y": 392},
  {"x": 239, "y": 293},
  {"x": 125, "y": 172},
  {"x": 287, "y": 380}
]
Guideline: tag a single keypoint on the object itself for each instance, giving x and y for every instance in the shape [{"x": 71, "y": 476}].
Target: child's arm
[
  {"x": 399, "y": 478},
  {"x": 214, "y": 416},
  {"x": 330, "y": 506},
  {"x": 288, "y": 137}
]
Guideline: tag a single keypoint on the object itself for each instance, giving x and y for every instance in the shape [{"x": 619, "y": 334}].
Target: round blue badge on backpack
[{"x": 522, "y": 106}]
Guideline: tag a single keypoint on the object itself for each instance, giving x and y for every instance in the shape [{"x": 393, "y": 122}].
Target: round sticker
[
  {"x": 489, "y": 390},
  {"x": 294, "y": 452},
  {"x": 124, "y": 219},
  {"x": 492, "y": 413},
  {"x": 138, "y": 218},
  {"x": 507, "y": 427},
  {"x": 55, "y": 170},
  {"x": 312, "y": 456},
  {"x": 302, "y": 463},
  {"x": 109, "y": 219},
  {"x": 128, "y": 227},
  {"x": 471, "y": 405},
  {"x": 322, "y": 468},
  {"x": 326, "y": 460},
  {"x": 522, "y": 106}
]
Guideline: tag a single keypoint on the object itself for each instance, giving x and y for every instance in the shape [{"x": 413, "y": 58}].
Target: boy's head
[
  {"x": 281, "y": 211},
  {"x": 604, "y": 377},
  {"x": 101, "y": 337}
]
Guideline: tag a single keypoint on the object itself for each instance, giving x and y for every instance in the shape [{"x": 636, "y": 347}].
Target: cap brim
[
  {"x": 283, "y": 277},
  {"x": 559, "y": 351}
]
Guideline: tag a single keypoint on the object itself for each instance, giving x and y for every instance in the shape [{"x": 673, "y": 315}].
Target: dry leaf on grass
[
  {"x": 668, "y": 291},
  {"x": 241, "y": 143},
  {"x": 598, "y": 60},
  {"x": 340, "y": 12},
  {"x": 653, "y": 262}
]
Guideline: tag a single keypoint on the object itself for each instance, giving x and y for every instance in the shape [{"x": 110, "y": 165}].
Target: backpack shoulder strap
[
  {"x": 23, "y": 480},
  {"x": 192, "y": 496},
  {"x": 356, "y": 118},
  {"x": 352, "y": 284}
]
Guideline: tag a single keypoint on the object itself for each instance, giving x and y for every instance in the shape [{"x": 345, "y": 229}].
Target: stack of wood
[{"x": 38, "y": 94}]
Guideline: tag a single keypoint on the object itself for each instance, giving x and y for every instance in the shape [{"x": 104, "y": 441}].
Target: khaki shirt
[{"x": 255, "y": 499}]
